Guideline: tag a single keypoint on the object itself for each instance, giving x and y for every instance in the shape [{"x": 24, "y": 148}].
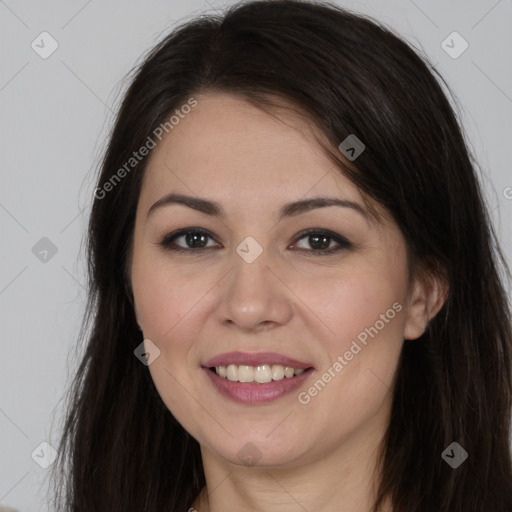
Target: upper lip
[{"x": 254, "y": 359}]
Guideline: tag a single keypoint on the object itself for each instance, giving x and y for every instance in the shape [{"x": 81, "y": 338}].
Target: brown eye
[
  {"x": 320, "y": 241},
  {"x": 195, "y": 239}
]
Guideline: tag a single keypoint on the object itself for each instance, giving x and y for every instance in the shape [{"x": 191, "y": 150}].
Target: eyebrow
[{"x": 214, "y": 209}]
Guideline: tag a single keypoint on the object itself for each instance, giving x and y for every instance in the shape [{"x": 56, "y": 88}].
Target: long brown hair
[{"x": 122, "y": 449}]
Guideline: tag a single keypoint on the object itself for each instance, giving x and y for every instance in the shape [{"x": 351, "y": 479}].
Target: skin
[{"x": 320, "y": 456}]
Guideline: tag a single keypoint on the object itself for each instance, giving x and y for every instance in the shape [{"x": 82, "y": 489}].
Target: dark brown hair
[{"x": 122, "y": 449}]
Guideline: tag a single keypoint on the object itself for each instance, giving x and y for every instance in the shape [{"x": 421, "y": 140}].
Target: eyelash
[{"x": 342, "y": 242}]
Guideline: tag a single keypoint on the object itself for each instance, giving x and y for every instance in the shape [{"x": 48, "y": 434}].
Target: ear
[{"x": 427, "y": 296}]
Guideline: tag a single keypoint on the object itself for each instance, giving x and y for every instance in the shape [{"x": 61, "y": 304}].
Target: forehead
[{"x": 226, "y": 144}]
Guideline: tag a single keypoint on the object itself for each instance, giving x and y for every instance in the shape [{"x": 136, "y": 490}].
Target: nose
[{"x": 255, "y": 296}]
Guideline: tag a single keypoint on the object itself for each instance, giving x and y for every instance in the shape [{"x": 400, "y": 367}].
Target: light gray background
[{"x": 55, "y": 114}]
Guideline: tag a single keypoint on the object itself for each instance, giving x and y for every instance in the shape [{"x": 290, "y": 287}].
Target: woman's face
[{"x": 259, "y": 298}]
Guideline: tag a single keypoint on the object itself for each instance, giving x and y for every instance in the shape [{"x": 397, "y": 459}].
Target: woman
[{"x": 295, "y": 287}]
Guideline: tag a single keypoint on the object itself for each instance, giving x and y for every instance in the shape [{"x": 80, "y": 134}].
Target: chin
[{"x": 261, "y": 451}]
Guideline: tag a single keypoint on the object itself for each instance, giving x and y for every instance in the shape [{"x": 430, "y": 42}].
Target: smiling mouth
[{"x": 261, "y": 374}]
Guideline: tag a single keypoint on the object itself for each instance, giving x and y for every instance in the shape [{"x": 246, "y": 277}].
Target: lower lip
[{"x": 253, "y": 392}]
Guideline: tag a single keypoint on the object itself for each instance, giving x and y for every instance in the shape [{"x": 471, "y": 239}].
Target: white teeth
[
  {"x": 245, "y": 373},
  {"x": 232, "y": 372},
  {"x": 262, "y": 373},
  {"x": 277, "y": 372}
]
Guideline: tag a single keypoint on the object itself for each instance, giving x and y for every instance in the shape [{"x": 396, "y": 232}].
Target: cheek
[
  {"x": 350, "y": 303},
  {"x": 362, "y": 305},
  {"x": 172, "y": 306},
  {"x": 365, "y": 312},
  {"x": 161, "y": 296},
  {"x": 165, "y": 301},
  {"x": 366, "y": 320}
]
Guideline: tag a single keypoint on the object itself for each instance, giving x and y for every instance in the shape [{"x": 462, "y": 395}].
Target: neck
[{"x": 343, "y": 479}]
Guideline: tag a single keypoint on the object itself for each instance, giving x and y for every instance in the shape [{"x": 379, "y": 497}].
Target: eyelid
[
  {"x": 167, "y": 239},
  {"x": 343, "y": 242}
]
